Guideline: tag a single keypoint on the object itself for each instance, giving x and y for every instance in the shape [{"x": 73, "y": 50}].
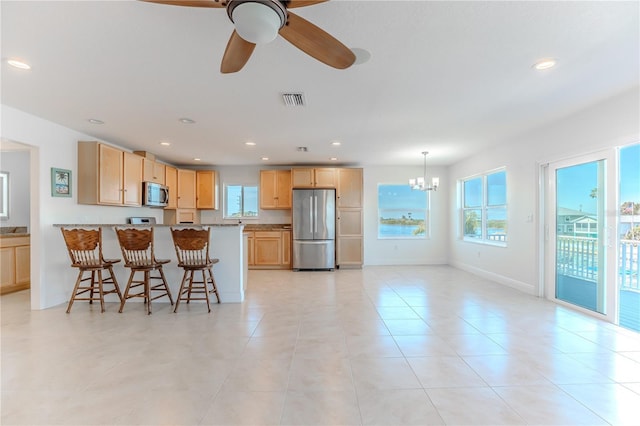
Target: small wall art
[{"x": 60, "y": 182}]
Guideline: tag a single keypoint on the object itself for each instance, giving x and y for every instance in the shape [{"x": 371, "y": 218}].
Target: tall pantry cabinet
[{"x": 349, "y": 218}]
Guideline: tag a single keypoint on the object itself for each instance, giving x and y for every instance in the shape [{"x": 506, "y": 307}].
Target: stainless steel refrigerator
[{"x": 314, "y": 229}]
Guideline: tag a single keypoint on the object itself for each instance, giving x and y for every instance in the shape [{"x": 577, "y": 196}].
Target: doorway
[
  {"x": 592, "y": 234},
  {"x": 15, "y": 221}
]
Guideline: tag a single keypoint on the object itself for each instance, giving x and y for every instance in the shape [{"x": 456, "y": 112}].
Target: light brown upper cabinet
[
  {"x": 186, "y": 189},
  {"x": 153, "y": 171},
  {"x": 207, "y": 189},
  {"x": 349, "y": 191},
  {"x": 107, "y": 175},
  {"x": 171, "y": 180},
  {"x": 319, "y": 177},
  {"x": 275, "y": 189}
]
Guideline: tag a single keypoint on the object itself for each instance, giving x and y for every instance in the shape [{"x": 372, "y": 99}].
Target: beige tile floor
[{"x": 381, "y": 346}]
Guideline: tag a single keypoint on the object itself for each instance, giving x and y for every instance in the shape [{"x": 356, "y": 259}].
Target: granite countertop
[
  {"x": 267, "y": 227},
  {"x": 14, "y": 234},
  {"x": 13, "y": 231}
]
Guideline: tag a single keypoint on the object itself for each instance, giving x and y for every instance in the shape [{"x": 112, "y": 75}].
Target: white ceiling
[{"x": 449, "y": 77}]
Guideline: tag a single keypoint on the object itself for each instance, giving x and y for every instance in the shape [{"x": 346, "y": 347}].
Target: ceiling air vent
[{"x": 293, "y": 99}]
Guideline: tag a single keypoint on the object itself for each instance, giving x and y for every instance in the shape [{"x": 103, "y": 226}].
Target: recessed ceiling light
[
  {"x": 334, "y": 159},
  {"x": 265, "y": 158},
  {"x": 185, "y": 120},
  {"x": 545, "y": 64},
  {"x": 165, "y": 143},
  {"x": 196, "y": 159},
  {"x": 250, "y": 143},
  {"x": 335, "y": 143},
  {"x": 95, "y": 121},
  {"x": 19, "y": 64}
]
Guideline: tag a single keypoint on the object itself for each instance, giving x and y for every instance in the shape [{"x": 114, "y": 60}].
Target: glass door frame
[{"x": 609, "y": 229}]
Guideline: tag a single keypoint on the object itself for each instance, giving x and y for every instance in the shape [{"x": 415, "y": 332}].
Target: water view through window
[{"x": 402, "y": 212}]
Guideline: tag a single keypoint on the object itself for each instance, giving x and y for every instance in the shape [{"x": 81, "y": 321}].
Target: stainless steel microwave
[{"x": 154, "y": 194}]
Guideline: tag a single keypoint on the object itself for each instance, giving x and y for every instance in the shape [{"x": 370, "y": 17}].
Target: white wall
[
  {"x": 434, "y": 249},
  {"x": 16, "y": 163},
  {"x": 51, "y": 145},
  {"x": 613, "y": 122}
]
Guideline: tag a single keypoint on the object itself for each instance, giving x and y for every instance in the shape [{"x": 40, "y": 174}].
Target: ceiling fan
[{"x": 260, "y": 21}]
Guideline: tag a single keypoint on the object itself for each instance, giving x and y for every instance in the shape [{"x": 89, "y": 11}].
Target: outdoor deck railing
[{"x": 578, "y": 257}]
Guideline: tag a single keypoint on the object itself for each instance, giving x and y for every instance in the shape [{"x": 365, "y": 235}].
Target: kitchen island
[{"x": 227, "y": 244}]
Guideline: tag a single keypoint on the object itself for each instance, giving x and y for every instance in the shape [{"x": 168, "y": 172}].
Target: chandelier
[{"x": 420, "y": 183}]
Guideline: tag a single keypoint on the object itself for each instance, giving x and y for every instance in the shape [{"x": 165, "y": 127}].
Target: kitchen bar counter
[{"x": 227, "y": 244}]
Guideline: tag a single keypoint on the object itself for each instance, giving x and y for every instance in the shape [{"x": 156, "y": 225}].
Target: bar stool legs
[
  {"x": 96, "y": 285},
  {"x": 161, "y": 288},
  {"x": 190, "y": 285}
]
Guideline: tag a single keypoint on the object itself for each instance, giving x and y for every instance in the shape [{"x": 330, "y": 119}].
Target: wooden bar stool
[
  {"x": 138, "y": 254},
  {"x": 85, "y": 251},
  {"x": 192, "y": 249}
]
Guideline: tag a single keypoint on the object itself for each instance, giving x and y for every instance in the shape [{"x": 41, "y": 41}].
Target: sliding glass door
[
  {"x": 629, "y": 238},
  {"x": 579, "y": 234},
  {"x": 592, "y": 234}
]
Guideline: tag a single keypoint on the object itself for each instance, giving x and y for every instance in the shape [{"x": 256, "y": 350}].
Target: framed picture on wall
[
  {"x": 4, "y": 195},
  {"x": 60, "y": 182}
]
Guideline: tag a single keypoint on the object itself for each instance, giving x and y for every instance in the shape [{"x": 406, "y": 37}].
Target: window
[
  {"x": 241, "y": 202},
  {"x": 402, "y": 212},
  {"x": 484, "y": 211}
]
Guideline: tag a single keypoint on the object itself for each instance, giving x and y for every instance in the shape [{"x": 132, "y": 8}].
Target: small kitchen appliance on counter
[{"x": 141, "y": 220}]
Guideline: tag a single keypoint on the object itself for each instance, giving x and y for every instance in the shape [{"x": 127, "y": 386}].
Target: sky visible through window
[
  {"x": 580, "y": 180},
  {"x": 241, "y": 201}
]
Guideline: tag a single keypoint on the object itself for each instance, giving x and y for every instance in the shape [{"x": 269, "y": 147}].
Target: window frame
[
  {"x": 242, "y": 202},
  {"x": 427, "y": 215},
  {"x": 485, "y": 209}
]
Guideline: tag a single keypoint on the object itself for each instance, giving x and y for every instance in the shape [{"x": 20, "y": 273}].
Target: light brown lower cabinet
[
  {"x": 15, "y": 264},
  {"x": 349, "y": 241},
  {"x": 269, "y": 249}
]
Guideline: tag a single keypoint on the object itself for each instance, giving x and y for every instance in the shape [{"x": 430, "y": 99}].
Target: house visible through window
[
  {"x": 240, "y": 202},
  {"x": 485, "y": 207},
  {"x": 402, "y": 212}
]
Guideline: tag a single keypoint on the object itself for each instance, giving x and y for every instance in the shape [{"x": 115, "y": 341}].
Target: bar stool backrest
[
  {"x": 192, "y": 245},
  {"x": 84, "y": 246},
  {"x": 136, "y": 245}
]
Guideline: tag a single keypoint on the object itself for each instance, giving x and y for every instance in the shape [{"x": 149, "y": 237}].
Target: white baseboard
[{"x": 500, "y": 279}]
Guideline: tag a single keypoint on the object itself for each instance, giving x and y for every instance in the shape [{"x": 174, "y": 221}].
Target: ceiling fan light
[{"x": 256, "y": 22}]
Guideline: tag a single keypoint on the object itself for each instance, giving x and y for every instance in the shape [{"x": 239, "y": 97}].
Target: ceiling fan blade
[
  {"x": 301, "y": 3},
  {"x": 192, "y": 3},
  {"x": 236, "y": 54},
  {"x": 316, "y": 42}
]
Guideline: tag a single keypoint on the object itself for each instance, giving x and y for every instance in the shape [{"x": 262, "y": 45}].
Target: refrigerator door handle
[
  {"x": 316, "y": 214},
  {"x": 311, "y": 214}
]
